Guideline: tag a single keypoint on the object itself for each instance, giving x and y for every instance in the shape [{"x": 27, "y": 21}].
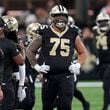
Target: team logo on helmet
[
  {"x": 31, "y": 30},
  {"x": 11, "y": 23}
]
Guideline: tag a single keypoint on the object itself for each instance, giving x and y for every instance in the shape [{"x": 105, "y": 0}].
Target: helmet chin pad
[
  {"x": 103, "y": 29},
  {"x": 60, "y": 25}
]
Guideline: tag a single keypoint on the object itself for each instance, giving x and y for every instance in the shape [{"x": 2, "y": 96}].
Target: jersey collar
[{"x": 59, "y": 34}]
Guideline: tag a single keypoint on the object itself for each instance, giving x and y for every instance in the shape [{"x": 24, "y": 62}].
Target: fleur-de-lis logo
[{"x": 9, "y": 23}]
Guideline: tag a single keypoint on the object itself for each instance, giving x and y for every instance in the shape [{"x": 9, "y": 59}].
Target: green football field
[{"x": 93, "y": 94}]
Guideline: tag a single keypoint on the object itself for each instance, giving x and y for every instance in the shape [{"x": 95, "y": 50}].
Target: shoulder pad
[
  {"x": 41, "y": 29},
  {"x": 77, "y": 29}
]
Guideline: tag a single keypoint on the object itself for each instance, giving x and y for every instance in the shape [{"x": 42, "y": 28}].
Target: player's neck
[{"x": 58, "y": 29}]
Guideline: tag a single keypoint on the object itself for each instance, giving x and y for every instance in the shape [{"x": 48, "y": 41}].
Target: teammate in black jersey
[
  {"x": 57, "y": 43},
  {"x": 102, "y": 39},
  {"x": 18, "y": 71},
  {"x": 11, "y": 53},
  {"x": 29, "y": 101}
]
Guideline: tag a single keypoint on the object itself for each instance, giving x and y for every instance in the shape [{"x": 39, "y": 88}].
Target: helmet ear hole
[{"x": 3, "y": 25}]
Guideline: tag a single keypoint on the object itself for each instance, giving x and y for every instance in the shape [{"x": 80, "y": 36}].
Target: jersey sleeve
[
  {"x": 13, "y": 49},
  {"x": 41, "y": 29},
  {"x": 76, "y": 31}
]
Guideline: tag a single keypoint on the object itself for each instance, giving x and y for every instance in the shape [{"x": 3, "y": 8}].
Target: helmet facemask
[
  {"x": 103, "y": 25},
  {"x": 60, "y": 20}
]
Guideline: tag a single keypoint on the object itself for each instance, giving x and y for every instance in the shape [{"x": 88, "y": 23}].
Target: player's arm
[
  {"x": 21, "y": 48},
  {"x": 31, "y": 52},
  {"x": 19, "y": 59},
  {"x": 82, "y": 52},
  {"x": 32, "y": 49},
  {"x": 82, "y": 55},
  {"x": 15, "y": 53},
  {"x": 22, "y": 69}
]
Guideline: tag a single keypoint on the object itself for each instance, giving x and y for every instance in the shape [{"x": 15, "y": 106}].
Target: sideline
[
  {"x": 89, "y": 84},
  {"x": 80, "y": 84}
]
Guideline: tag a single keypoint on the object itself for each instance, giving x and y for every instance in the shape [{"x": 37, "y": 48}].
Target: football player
[
  {"x": 102, "y": 41},
  {"x": 11, "y": 54},
  {"x": 29, "y": 101},
  {"x": 77, "y": 93},
  {"x": 18, "y": 71},
  {"x": 57, "y": 42}
]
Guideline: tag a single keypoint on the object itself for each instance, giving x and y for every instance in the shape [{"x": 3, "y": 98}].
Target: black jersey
[
  {"x": 102, "y": 41},
  {"x": 10, "y": 50},
  {"x": 12, "y": 35},
  {"x": 57, "y": 48}
]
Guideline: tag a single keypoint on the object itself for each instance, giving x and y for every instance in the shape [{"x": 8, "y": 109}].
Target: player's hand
[
  {"x": 42, "y": 69},
  {"x": 1, "y": 94},
  {"x": 21, "y": 93},
  {"x": 75, "y": 68}
]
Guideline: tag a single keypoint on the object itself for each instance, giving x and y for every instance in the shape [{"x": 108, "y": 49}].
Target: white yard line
[
  {"x": 80, "y": 84},
  {"x": 89, "y": 84}
]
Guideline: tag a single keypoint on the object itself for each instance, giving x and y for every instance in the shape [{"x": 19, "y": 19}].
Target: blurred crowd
[
  {"x": 95, "y": 39},
  {"x": 32, "y": 11},
  {"x": 38, "y": 12}
]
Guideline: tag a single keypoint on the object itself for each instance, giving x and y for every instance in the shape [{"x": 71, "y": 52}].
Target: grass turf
[{"x": 93, "y": 94}]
